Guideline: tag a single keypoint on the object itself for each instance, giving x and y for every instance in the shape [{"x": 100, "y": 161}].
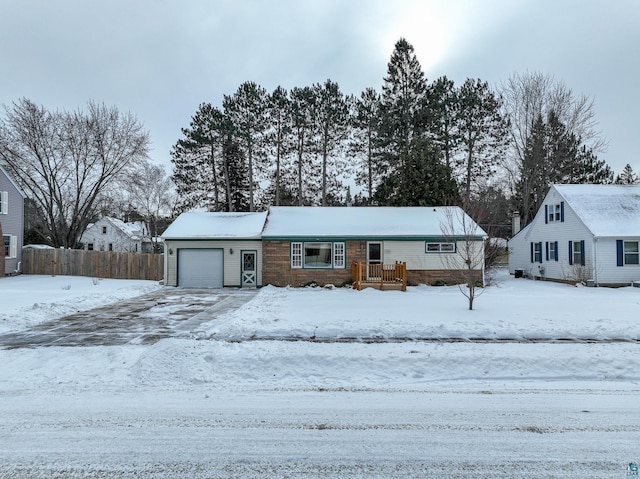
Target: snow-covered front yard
[{"x": 540, "y": 380}]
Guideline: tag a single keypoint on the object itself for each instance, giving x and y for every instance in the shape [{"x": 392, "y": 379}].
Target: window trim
[
  {"x": 635, "y": 253},
  {"x": 439, "y": 247},
  {"x": 11, "y": 248},
  {"x": 4, "y": 202},
  {"x": 338, "y": 255}
]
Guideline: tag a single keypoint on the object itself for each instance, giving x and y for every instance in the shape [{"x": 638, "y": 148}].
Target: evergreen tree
[
  {"x": 196, "y": 159},
  {"x": 425, "y": 181},
  {"x": 302, "y": 122},
  {"x": 483, "y": 134},
  {"x": 444, "y": 106},
  {"x": 554, "y": 155},
  {"x": 246, "y": 110},
  {"x": 366, "y": 117},
  {"x": 402, "y": 107},
  {"x": 627, "y": 177},
  {"x": 279, "y": 137},
  {"x": 236, "y": 175},
  {"x": 332, "y": 120}
]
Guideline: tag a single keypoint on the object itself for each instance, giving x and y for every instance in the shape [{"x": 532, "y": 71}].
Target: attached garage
[
  {"x": 200, "y": 268},
  {"x": 214, "y": 250}
]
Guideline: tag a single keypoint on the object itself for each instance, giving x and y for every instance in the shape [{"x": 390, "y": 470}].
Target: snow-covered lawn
[{"x": 331, "y": 383}]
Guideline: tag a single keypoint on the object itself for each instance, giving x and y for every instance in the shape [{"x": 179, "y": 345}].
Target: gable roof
[
  {"x": 216, "y": 225},
  {"x": 363, "y": 222},
  {"x": 12, "y": 181},
  {"x": 606, "y": 210},
  {"x": 131, "y": 230}
]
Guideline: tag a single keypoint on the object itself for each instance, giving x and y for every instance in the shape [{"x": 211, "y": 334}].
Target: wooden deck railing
[{"x": 379, "y": 275}]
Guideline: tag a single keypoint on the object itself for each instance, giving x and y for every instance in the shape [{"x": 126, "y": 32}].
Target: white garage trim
[{"x": 201, "y": 267}]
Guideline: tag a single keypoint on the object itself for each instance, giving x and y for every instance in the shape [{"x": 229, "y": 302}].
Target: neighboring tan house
[
  {"x": 582, "y": 233},
  {"x": 302, "y": 245},
  {"x": 112, "y": 234},
  {"x": 12, "y": 221}
]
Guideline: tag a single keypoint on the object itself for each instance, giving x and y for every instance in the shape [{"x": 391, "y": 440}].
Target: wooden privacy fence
[
  {"x": 379, "y": 275},
  {"x": 97, "y": 264}
]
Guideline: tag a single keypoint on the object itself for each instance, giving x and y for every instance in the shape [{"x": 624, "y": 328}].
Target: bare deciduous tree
[
  {"x": 466, "y": 261},
  {"x": 65, "y": 161},
  {"x": 532, "y": 95}
]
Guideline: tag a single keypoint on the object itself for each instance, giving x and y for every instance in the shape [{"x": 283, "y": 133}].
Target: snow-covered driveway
[{"x": 162, "y": 313}]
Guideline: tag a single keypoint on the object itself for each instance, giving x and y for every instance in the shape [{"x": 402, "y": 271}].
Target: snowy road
[{"x": 488, "y": 434}]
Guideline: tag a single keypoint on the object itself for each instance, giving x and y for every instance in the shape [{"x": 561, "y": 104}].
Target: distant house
[
  {"x": 301, "y": 245},
  {"x": 582, "y": 233},
  {"x": 112, "y": 234},
  {"x": 12, "y": 221}
]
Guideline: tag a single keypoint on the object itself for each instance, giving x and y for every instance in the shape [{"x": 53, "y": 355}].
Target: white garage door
[{"x": 200, "y": 268}]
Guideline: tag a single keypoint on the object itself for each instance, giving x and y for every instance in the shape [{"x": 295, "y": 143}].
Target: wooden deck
[{"x": 380, "y": 276}]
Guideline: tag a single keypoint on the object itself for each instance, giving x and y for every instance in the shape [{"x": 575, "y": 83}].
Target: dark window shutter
[
  {"x": 532, "y": 252},
  {"x": 546, "y": 247},
  {"x": 562, "y": 211},
  {"x": 556, "y": 258},
  {"x": 546, "y": 214},
  {"x": 582, "y": 258},
  {"x": 570, "y": 252},
  {"x": 620, "y": 252}
]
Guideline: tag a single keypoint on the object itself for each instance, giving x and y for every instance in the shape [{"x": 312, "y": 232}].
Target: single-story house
[
  {"x": 582, "y": 233},
  {"x": 302, "y": 245},
  {"x": 112, "y": 234},
  {"x": 12, "y": 221},
  {"x": 212, "y": 250}
]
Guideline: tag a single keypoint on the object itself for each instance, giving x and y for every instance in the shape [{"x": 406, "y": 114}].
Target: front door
[
  {"x": 374, "y": 260},
  {"x": 249, "y": 270}
]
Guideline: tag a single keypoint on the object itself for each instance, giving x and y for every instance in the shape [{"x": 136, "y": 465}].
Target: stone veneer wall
[
  {"x": 276, "y": 266},
  {"x": 438, "y": 276}
]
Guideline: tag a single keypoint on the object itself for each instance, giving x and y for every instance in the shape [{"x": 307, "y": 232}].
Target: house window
[
  {"x": 552, "y": 251},
  {"x": 338, "y": 255},
  {"x": 440, "y": 247},
  {"x": 110, "y": 246},
  {"x": 10, "y": 246},
  {"x": 317, "y": 254},
  {"x": 576, "y": 252},
  {"x": 104, "y": 230},
  {"x": 4, "y": 202},
  {"x": 537, "y": 252},
  {"x": 631, "y": 252},
  {"x": 90, "y": 246},
  {"x": 554, "y": 213},
  {"x": 296, "y": 255}
]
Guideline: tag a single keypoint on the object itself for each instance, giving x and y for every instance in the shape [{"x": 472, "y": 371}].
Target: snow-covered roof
[
  {"x": 134, "y": 230},
  {"x": 201, "y": 225},
  {"x": 607, "y": 210},
  {"x": 366, "y": 222}
]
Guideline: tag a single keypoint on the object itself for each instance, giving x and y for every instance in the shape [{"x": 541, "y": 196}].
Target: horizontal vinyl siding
[
  {"x": 608, "y": 272},
  {"x": 413, "y": 253},
  {"x": 12, "y": 223},
  {"x": 231, "y": 261}
]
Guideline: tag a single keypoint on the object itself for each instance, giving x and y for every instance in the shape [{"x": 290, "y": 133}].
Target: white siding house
[
  {"x": 582, "y": 233},
  {"x": 112, "y": 234}
]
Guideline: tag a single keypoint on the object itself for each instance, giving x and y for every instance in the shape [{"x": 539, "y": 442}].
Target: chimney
[{"x": 515, "y": 223}]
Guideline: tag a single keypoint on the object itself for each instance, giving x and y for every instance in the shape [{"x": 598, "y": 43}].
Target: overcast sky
[{"x": 160, "y": 59}]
